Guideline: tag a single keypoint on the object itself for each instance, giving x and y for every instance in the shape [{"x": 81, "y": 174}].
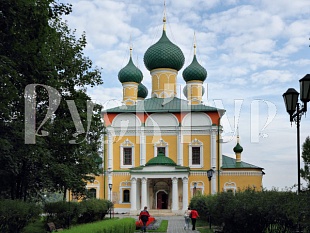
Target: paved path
[{"x": 176, "y": 225}]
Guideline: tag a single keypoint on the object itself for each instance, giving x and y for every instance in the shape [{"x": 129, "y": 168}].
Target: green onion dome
[
  {"x": 130, "y": 73},
  {"x": 161, "y": 159},
  {"x": 238, "y": 148},
  {"x": 194, "y": 71},
  {"x": 164, "y": 54},
  {"x": 142, "y": 91}
]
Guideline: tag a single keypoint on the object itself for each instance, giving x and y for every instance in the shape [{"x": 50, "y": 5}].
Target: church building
[{"x": 161, "y": 151}]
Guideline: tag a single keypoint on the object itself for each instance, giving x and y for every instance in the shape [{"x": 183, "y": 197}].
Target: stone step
[{"x": 161, "y": 212}]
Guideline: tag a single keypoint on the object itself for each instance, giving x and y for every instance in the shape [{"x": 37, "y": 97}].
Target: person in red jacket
[
  {"x": 144, "y": 217},
  {"x": 194, "y": 215}
]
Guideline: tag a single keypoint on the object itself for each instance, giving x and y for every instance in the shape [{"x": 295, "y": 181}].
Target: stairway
[{"x": 161, "y": 212}]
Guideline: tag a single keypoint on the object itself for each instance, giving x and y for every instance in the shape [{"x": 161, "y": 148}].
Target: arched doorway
[{"x": 162, "y": 200}]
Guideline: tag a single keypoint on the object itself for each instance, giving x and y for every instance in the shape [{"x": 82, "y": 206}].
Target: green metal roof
[
  {"x": 161, "y": 159},
  {"x": 164, "y": 105},
  {"x": 229, "y": 162},
  {"x": 194, "y": 71},
  {"x": 164, "y": 54}
]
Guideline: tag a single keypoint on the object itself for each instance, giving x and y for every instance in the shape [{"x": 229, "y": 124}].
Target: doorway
[{"x": 162, "y": 200}]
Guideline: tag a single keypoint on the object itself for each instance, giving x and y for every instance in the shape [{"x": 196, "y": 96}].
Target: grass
[
  {"x": 203, "y": 226},
  {"x": 35, "y": 227},
  {"x": 162, "y": 228}
]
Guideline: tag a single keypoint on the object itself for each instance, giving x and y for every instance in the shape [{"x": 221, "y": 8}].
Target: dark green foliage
[
  {"x": 252, "y": 211},
  {"x": 15, "y": 215},
  {"x": 64, "y": 214},
  {"x": 305, "y": 172},
  {"x": 36, "y": 47},
  {"x": 93, "y": 210}
]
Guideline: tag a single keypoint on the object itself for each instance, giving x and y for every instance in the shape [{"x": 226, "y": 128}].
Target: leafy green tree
[
  {"x": 37, "y": 48},
  {"x": 305, "y": 172}
]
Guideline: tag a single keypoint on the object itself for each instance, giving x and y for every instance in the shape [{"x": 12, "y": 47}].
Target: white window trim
[
  {"x": 230, "y": 186},
  {"x": 124, "y": 185},
  {"x": 199, "y": 185},
  {"x": 95, "y": 185},
  {"x": 127, "y": 144},
  {"x": 161, "y": 143},
  {"x": 195, "y": 143}
]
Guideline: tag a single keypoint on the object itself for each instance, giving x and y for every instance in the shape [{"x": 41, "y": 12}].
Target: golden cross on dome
[{"x": 164, "y": 19}]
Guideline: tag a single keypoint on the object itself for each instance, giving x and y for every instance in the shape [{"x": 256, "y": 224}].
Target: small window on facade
[
  {"x": 195, "y": 155},
  {"x": 127, "y": 156},
  {"x": 161, "y": 150},
  {"x": 126, "y": 195},
  {"x": 92, "y": 193}
]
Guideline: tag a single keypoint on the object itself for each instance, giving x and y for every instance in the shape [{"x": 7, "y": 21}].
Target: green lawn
[{"x": 162, "y": 228}]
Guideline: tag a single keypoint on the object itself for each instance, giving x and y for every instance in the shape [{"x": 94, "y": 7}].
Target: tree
[
  {"x": 305, "y": 172},
  {"x": 37, "y": 48}
]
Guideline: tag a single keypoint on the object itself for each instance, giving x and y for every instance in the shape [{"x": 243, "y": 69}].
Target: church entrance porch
[{"x": 161, "y": 194}]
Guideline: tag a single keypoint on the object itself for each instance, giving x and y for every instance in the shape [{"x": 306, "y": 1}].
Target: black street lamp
[
  {"x": 295, "y": 110},
  {"x": 110, "y": 187},
  {"x": 210, "y": 174},
  {"x": 195, "y": 187}
]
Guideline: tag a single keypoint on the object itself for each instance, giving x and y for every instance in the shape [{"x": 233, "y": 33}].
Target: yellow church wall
[
  {"x": 242, "y": 181},
  {"x": 116, "y": 198},
  {"x": 171, "y": 140}
]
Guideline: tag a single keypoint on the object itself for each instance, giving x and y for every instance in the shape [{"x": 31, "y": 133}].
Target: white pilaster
[
  {"x": 110, "y": 151},
  {"x": 185, "y": 193},
  {"x": 213, "y": 183},
  {"x": 133, "y": 194},
  {"x": 175, "y": 199},
  {"x": 180, "y": 148},
  {"x": 144, "y": 192},
  {"x": 213, "y": 150},
  {"x": 142, "y": 147}
]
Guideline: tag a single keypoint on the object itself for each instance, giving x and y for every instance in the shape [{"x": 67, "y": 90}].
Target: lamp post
[
  {"x": 110, "y": 187},
  {"x": 195, "y": 187},
  {"x": 295, "y": 110},
  {"x": 210, "y": 174}
]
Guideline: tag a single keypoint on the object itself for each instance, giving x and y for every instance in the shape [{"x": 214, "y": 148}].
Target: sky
[{"x": 253, "y": 52}]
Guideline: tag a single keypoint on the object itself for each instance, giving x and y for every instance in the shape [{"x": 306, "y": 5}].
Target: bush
[
  {"x": 252, "y": 211},
  {"x": 62, "y": 213},
  {"x": 93, "y": 210},
  {"x": 15, "y": 215}
]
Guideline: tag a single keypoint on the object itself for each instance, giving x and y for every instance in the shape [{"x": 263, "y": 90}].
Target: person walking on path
[
  {"x": 144, "y": 217},
  {"x": 194, "y": 215},
  {"x": 187, "y": 218}
]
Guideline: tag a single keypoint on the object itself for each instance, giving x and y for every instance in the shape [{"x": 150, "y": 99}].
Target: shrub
[
  {"x": 15, "y": 215},
  {"x": 93, "y": 210},
  {"x": 251, "y": 211},
  {"x": 62, "y": 213}
]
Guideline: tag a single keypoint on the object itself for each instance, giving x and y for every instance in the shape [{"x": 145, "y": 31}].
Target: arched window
[
  {"x": 126, "y": 195},
  {"x": 92, "y": 193}
]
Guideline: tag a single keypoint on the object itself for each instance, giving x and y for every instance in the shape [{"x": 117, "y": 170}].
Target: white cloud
[{"x": 270, "y": 76}]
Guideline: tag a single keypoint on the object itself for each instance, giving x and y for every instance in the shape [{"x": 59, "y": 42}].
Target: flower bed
[{"x": 139, "y": 223}]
